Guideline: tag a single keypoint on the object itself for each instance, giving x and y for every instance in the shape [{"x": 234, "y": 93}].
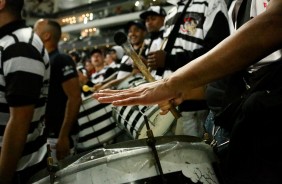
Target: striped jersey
[
  {"x": 24, "y": 80},
  {"x": 204, "y": 25},
  {"x": 101, "y": 75}
]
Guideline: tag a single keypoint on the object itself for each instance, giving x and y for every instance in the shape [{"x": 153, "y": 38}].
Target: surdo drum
[
  {"x": 132, "y": 119},
  {"x": 181, "y": 161},
  {"x": 96, "y": 124}
]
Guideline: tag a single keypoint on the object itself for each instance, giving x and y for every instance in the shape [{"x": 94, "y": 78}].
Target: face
[
  {"x": 88, "y": 66},
  {"x": 108, "y": 59},
  {"x": 136, "y": 35},
  {"x": 114, "y": 56},
  {"x": 97, "y": 59},
  {"x": 154, "y": 23}
]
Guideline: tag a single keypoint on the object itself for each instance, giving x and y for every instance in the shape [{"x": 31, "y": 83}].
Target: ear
[
  {"x": 46, "y": 35},
  {"x": 2, "y": 4}
]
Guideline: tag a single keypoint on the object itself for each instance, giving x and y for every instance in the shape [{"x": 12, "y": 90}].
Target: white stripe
[
  {"x": 32, "y": 159},
  {"x": 95, "y": 128},
  {"x": 36, "y": 133},
  {"x": 2, "y": 80},
  {"x": 24, "y": 64}
]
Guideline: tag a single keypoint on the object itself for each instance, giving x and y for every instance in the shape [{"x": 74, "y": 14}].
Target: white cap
[{"x": 119, "y": 50}]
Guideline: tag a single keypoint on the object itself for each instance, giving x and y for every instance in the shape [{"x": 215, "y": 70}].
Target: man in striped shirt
[
  {"x": 202, "y": 26},
  {"x": 24, "y": 78}
]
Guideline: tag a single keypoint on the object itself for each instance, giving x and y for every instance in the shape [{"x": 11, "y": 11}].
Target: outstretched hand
[{"x": 146, "y": 94}]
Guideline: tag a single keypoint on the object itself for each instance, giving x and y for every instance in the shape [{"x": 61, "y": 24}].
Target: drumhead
[{"x": 184, "y": 156}]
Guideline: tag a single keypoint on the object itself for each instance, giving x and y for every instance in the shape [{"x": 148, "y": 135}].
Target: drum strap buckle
[{"x": 212, "y": 140}]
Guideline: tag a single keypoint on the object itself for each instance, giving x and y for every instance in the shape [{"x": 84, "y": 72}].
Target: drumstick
[
  {"x": 121, "y": 39},
  {"x": 86, "y": 88}
]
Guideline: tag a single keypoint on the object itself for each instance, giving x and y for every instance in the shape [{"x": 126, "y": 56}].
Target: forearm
[
  {"x": 14, "y": 141},
  {"x": 71, "y": 113}
]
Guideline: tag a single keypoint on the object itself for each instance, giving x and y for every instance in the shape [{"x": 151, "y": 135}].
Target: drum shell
[
  {"x": 96, "y": 125},
  {"x": 132, "y": 119}
]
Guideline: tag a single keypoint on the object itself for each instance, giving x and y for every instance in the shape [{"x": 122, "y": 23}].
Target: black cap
[
  {"x": 139, "y": 24},
  {"x": 96, "y": 51},
  {"x": 153, "y": 10}
]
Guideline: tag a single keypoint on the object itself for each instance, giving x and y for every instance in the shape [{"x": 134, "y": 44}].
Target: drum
[
  {"x": 131, "y": 81},
  {"x": 132, "y": 119},
  {"x": 179, "y": 161},
  {"x": 96, "y": 124}
]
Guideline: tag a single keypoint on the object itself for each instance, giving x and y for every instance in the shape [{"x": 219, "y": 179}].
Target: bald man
[{"x": 64, "y": 97}]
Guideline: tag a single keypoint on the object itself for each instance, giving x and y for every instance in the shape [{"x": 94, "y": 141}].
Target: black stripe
[
  {"x": 121, "y": 113},
  {"x": 34, "y": 146},
  {"x": 91, "y": 110},
  {"x": 1, "y": 64},
  {"x": 190, "y": 39},
  {"x": 127, "y": 116},
  {"x": 2, "y": 129},
  {"x": 15, "y": 37},
  {"x": 4, "y": 108},
  {"x": 2, "y": 88},
  {"x": 205, "y": 3},
  {"x": 43, "y": 51},
  {"x": 31, "y": 37},
  {"x": 41, "y": 102},
  {"x": 125, "y": 67},
  {"x": 95, "y": 121},
  {"x": 21, "y": 49},
  {"x": 142, "y": 110},
  {"x": 136, "y": 119},
  {"x": 97, "y": 133},
  {"x": 34, "y": 125},
  {"x": 135, "y": 79}
]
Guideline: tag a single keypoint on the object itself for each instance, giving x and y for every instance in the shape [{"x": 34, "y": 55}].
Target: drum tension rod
[
  {"x": 51, "y": 167},
  {"x": 151, "y": 142}
]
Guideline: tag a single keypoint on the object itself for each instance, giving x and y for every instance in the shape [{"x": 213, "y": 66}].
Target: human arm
[
  {"x": 14, "y": 140},
  {"x": 252, "y": 42},
  {"x": 71, "y": 88}
]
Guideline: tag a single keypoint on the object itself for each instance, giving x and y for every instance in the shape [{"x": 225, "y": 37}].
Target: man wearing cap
[
  {"x": 154, "y": 18},
  {"x": 136, "y": 33},
  {"x": 117, "y": 53},
  {"x": 199, "y": 26}
]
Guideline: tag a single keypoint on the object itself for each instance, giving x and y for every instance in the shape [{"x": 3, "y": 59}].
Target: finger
[{"x": 132, "y": 101}]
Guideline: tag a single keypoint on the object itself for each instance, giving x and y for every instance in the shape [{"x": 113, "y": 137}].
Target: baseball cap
[
  {"x": 139, "y": 24},
  {"x": 119, "y": 51},
  {"x": 153, "y": 10}
]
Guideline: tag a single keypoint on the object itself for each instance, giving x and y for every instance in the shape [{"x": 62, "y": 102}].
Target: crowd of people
[{"x": 212, "y": 60}]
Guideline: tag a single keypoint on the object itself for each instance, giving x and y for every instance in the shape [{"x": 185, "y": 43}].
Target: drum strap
[{"x": 172, "y": 36}]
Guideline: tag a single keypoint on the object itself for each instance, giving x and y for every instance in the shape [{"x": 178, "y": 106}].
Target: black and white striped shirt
[
  {"x": 204, "y": 25},
  {"x": 24, "y": 80}
]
